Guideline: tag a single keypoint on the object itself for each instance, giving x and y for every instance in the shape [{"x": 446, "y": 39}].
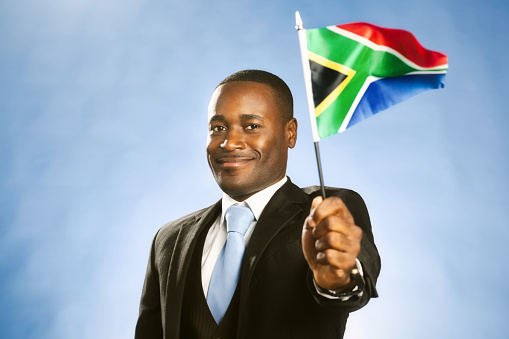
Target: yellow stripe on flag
[{"x": 337, "y": 91}]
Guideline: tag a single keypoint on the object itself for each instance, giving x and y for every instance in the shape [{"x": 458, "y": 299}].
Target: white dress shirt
[{"x": 216, "y": 237}]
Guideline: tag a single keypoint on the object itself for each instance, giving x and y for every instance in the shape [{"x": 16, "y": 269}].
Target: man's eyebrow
[
  {"x": 220, "y": 117},
  {"x": 251, "y": 117},
  {"x": 217, "y": 118}
]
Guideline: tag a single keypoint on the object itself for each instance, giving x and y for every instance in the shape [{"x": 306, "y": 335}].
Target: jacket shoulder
[
  {"x": 172, "y": 228},
  {"x": 314, "y": 191}
]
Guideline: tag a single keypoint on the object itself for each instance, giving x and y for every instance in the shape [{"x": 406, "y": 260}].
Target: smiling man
[
  {"x": 268, "y": 260},
  {"x": 248, "y": 141}
]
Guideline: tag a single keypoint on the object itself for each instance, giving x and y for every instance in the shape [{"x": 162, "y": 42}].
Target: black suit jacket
[{"x": 277, "y": 298}]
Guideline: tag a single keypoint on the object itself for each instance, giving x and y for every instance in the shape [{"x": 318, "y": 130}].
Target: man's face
[{"x": 248, "y": 141}]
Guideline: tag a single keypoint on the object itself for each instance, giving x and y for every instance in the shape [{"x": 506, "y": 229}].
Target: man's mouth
[{"x": 233, "y": 162}]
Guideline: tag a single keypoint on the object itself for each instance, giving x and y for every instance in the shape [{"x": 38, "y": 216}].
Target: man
[{"x": 308, "y": 262}]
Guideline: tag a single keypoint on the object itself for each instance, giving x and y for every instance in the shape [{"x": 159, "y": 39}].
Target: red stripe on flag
[{"x": 402, "y": 41}]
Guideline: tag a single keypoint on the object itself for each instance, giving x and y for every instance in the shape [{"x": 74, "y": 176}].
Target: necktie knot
[{"x": 238, "y": 219}]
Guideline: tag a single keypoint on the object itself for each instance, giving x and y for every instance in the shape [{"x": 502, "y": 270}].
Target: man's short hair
[{"x": 282, "y": 94}]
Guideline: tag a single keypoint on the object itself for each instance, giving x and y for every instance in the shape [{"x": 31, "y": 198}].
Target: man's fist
[{"x": 331, "y": 242}]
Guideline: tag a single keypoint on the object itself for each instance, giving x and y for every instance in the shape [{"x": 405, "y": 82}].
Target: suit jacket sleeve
[
  {"x": 368, "y": 256},
  {"x": 149, "y": 324}
]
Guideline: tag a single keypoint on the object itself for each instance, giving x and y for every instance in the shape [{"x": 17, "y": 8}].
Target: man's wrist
[{"x": 355, "y": 289}]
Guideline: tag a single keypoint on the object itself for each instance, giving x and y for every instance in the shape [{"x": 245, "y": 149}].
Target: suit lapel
[{"x": 282, "y": 210}]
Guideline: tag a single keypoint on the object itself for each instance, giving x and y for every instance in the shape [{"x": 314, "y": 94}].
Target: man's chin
[{"x": 236, "y": 188}]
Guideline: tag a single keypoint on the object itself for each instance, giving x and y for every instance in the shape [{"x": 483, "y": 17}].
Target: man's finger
[
  {"x": 332, "y": 206},
  {"x": 336, "y": 259},
  {"x": 339, "y": 225},
  {"x": 316, "y": 201},
  {"x": 338, "y": 242}
]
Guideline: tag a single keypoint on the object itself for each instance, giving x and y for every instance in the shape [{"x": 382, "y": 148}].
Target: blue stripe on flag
[{"x": 386, "y": 92}]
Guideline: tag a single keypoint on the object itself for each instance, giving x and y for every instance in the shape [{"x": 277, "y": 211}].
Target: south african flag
[{"x": 360, "y": 69}]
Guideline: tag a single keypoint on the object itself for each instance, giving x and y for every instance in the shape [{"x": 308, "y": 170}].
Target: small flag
[{"x": 359, "y": 69}]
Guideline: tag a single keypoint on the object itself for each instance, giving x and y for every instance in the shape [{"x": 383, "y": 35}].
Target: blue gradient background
[{"x": 102, "y": 140}]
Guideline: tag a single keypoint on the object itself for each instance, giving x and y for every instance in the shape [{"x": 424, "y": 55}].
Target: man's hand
[{"x": 331, "y": 242}]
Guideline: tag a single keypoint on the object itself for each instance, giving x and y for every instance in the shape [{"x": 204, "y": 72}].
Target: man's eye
[
  {"x": 253, "y": 126},
  {"x": 217, "y": 128}
]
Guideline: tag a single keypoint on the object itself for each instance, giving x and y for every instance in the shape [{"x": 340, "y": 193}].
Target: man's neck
[{"x": 256, "y": 201}]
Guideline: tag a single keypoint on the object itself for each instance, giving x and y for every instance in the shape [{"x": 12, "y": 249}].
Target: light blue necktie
[{"x": 226, "y": 272}]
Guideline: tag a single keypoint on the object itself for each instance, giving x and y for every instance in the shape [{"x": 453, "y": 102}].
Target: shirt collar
[{"x": 256, "y": 202}]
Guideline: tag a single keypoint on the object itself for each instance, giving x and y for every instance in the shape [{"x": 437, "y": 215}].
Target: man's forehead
[{"x": 248, "y": 87}]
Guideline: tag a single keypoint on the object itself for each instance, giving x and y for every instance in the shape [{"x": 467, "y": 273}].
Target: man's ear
[{"x": 291, "y": 132}]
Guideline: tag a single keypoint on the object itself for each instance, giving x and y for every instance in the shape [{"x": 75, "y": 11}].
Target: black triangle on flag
[{"x": 324, "y": 80}]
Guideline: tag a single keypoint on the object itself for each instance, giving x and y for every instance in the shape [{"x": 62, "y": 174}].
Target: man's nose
[{"x": 234, "y": 139}]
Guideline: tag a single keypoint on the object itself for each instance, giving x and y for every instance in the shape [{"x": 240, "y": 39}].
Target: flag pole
[
  {"x": 309, "y": 93},
  {"x": 320, "y": 174}
]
